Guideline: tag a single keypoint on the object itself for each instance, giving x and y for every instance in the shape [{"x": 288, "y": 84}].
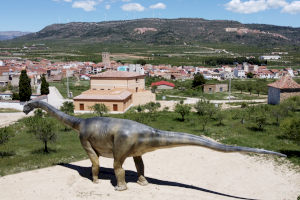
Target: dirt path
[{"x": 177, "y": 173}]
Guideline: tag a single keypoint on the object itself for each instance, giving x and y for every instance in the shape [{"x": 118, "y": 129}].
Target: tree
[
  {"x": 152, "y": 108},
  {"x": 44, "y": 85},
  {"x": 42, "y": 129},
  {"x": 205, "y": 119},
  {"x": 250, "y": 75},
  {"x": 249, "y": 87},
  {"x": 291, "y": 129},
  {"x": 198, "y": 80},
  {"x": 211, "y": 110},
  {"x": 200, "y": 106},
  {"x": 182, "y": 109},
  {"x": 15, "y": 96},
  {"x": 5, "y": 134},
  {"x": 220, "y": 115},
  {"x": 277, "y": 112},
  {"x": 261, "y": 119},
  {"x": 67, "y": 107},
  {"x": 99, "y": 109},
  {"x": 154, "y": 88},
  {"x": 24, "y": 87},
  {"x": 141, "y": 62}
]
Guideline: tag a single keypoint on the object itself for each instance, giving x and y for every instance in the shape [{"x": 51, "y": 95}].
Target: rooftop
[
  {"x": 285, "y": 83},
  {"x": 114, "y": 74}
]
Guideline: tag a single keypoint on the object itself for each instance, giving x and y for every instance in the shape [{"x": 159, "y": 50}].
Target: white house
[
  {"x": 227, "y": 75},
  {"x": 239, "y": 73},
  {"x": 290, "y": 71},
  {"x": 270, "y": 57}
]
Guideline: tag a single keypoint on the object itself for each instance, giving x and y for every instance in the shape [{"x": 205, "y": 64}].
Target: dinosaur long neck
[{"x": 68, "y": 120}]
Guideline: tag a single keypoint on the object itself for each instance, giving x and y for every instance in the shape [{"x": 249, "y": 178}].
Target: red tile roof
[
  {"x": 285, "y": 83},
  {"x": 163, "y": 83},
  {"x": 121, "y": 96},
  {"x": 114, "y": 74}
]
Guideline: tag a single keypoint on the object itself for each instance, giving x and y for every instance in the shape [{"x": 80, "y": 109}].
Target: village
[{"x": 10, "y": 70}]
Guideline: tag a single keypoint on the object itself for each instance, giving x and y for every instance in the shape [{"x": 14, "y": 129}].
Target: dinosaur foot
[
  {"x": 142, "y": 181},
  {"x": 120, "y": 188},
  {"x": 96, "y": 181}
]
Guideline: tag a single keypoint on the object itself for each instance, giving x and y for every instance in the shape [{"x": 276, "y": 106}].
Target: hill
[
  {"x": 7, "y": 35},
  {"x": 169, "y": 32}
]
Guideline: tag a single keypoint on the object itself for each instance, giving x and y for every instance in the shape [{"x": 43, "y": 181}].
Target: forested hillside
[{"x": 169, "y": 32}]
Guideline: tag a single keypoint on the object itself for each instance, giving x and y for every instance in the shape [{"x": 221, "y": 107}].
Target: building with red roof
[
  {"x": 163, "y": 85},
  {"x": 282, "y": 89},
  {"x": 118, "y": 90}
]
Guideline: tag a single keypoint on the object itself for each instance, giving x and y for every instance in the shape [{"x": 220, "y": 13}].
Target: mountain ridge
[
  {"x": 169, "y": 32},
  {"x": 7, "y": 35}
]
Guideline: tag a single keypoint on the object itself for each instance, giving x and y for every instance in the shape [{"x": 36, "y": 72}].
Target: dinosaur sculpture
[{"x": 120, "y": 138}]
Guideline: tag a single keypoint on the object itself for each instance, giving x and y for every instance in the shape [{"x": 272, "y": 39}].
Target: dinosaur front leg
[
  {"x": 139, "y": 164},
  {"x": 120, "y": 175}
]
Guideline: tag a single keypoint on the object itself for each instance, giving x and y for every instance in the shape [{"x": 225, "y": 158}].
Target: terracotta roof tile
[
  {"x": 113, "y": 74},
  {"x": 121, "y": 96},
  {"x": 285, "y": 83},
  {"x": 163, "y": 83}
]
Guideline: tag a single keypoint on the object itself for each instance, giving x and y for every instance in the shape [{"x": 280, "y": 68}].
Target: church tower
[{"x": 106, "y": 58}]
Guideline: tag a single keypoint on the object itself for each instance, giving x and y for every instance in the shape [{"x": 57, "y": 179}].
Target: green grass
[
  {"x": 75, "y": 89},
  {"x": 23, "y": 153}
]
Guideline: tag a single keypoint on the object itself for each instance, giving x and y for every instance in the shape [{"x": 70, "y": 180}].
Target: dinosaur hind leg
[
  {"x": 139, "y": 164},
  {"x": 94, "y": 159}
]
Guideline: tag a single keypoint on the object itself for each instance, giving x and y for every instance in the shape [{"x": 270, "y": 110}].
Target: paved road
[
  {"x": 190, "y": 100},
  {"x": 55, "y": 99}
]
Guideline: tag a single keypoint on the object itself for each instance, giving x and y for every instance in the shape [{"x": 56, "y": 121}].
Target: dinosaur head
[{"x": 28, "y": 107}]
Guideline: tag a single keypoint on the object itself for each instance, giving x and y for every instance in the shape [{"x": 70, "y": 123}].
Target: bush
[
  {"x": 5, "y": 134},
  {"x": 291, "y": 129}
]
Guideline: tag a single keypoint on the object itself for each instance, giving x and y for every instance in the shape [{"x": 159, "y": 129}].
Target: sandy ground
[
  {"x": 9, "y": 118},
  {"x": 176, "y": 173}
]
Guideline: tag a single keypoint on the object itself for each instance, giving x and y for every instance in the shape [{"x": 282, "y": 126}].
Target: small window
[
  {"x": 94, "y": 88},
  {"x": 115, "y": 107},
  {"x": 221, "y": 89},
  {"x": 102, "y": 89},
  {"x": 210, "y": 90},
  {"x": 81, "y": 106}
]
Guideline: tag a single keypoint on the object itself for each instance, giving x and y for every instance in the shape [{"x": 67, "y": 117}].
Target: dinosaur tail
[{"x": 173, "y": 139}]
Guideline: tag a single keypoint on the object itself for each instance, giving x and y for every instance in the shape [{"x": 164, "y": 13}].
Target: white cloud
[
  {"x": 293, "y": 8},
  {"x": 253, "y": 6},
  {"x": 85, "y": 5},
  {"x": 107, "y": 7},
  {"x": 133, "y": 7},
  {"x": 276, "y": 3},
  {"x": 246, "y": 7},
  {"x": 158, "y": 6}
]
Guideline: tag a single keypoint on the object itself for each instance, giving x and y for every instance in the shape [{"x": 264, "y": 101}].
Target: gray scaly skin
[{"x": 120, "y": 138}]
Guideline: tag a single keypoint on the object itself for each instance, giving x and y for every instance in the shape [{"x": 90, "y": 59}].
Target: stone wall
[
  {"x": 215, "y": 88},
  {"x": 285, "y": 94},
  {"x": 273, "y": 96}
]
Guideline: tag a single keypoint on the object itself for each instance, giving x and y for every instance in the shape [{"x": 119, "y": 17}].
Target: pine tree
[
  {"x": 198, "y": 80},
  {"x": 44, "y": 86},
  {"x": 24, "y": 87}
]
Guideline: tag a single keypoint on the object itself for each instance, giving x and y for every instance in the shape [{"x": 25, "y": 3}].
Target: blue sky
[{"x": 34, "y": 15}]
